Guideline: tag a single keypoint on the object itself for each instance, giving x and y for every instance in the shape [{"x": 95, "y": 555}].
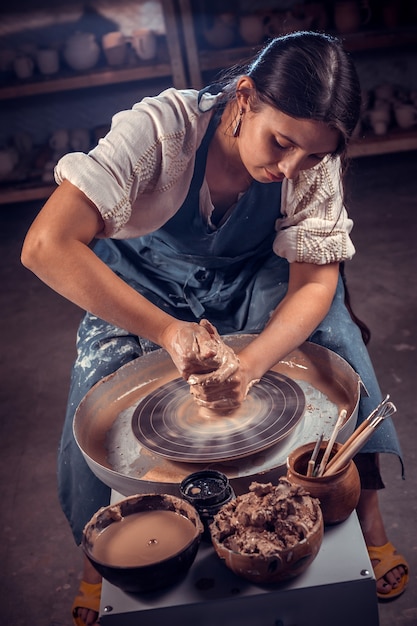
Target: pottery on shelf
[
  {"x": 379, "y": 117},
  {"x": 9, "y": 158},
  {"x": 405, "y": 114},
  {"x": 221, "y": 34},
  {"x": 351, "y": 15},
  {"x": 47, "y": 60},
  {"x": 144, "y": 43},
  {"x": 284, "y": 22},
  {"x": 252, "y": 29},
  {"x": 114, "y": 46},
  {"x": 82, "y": 51},
  {"x": 23, "y": 66}
]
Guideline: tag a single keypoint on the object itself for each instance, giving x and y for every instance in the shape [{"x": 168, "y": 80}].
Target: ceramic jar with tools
[
  {"x": 327, "y": 470},
  {"x": 338, "y": 494}
]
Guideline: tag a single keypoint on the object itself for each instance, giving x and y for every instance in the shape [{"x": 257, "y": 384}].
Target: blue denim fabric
[
  {"x": 339, "y": 333},
  {"x": 103, "y": 348},
  {"x": 230, "y": 276}
]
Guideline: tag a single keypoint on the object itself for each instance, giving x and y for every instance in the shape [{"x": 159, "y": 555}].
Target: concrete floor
[{"x": 39, "y": 562}]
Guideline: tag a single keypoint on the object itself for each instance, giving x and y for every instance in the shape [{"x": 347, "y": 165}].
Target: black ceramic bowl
[{"x": 144, "y": 542}]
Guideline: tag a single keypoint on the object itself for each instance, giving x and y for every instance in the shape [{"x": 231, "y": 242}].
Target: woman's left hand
[
  {"x": 212, "y": 369},
  {"x": 219, "y": 390},
  {"x": 225, "y": 387}
]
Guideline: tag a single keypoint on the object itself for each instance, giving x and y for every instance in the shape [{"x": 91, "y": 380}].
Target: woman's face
[{"x": 273, "y": 146}]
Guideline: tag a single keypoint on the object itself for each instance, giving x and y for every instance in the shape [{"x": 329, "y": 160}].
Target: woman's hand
[
  {"x": 221, "y": 392},
  {"x": 198, "y": 349},
  {"x": 212, "y": 369}
]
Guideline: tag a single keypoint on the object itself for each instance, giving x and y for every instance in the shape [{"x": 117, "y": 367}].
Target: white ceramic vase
[{"x": 81, "y": 51}]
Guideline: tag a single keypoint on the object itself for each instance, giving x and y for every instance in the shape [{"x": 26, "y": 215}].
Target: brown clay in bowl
[{"x": 270, "y": 534}]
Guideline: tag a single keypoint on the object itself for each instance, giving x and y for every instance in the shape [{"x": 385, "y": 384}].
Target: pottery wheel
[{"x": 171, "y": 424}]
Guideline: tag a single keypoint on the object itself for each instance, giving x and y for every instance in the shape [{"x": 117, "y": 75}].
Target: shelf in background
[
  {"x": 214, "y": 59},
  {"x": 394, "y": 141},
  {"x": 168, "y": 63},
  {"x": 95, "y": 78},
  {"x": 22, "y": 193},
  {"x": 380, "y": 39}
]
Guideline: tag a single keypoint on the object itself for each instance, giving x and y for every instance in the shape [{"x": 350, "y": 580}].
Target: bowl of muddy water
[
  {"x": 144, "y": 542},
  {"x": 270, "y": 534}
]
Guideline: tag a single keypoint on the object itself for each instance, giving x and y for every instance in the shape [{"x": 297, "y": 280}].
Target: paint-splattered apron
[{"x": 231, "y": 277}]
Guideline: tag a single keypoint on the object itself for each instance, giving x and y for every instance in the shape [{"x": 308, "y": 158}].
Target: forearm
[
  {"x": 57, "y": 250},
  {"x": 76, "y": 273},
  {"x": 293, "y": 321}
]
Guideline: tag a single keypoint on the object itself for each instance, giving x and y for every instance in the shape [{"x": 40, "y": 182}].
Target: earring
[{"x": 236, "y": 129}]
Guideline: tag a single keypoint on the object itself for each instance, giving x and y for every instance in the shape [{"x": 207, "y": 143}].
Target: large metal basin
[{"x": 102, "y": 424}]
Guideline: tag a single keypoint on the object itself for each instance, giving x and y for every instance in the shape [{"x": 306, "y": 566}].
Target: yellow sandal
[
  {"x": 388, "y": 558},
  {"x": 88, "y": 597}
]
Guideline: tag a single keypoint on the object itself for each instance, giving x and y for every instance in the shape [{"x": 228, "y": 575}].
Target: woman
[{"x": 224, "y": 205}]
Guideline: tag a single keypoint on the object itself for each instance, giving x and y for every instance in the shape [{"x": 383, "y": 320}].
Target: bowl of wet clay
[
  {"x": 144, "y": 542},
  {"x": 270, "y": 534}
]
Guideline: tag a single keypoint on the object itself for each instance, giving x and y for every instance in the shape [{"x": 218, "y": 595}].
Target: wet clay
[
  {"x": 104, "y": 432},
  {"x": 209, "y": 365},
  {"x": 267, "y": 519},
  {"x": 169, "y": 422},
  {"x": 143, "y": 538}
]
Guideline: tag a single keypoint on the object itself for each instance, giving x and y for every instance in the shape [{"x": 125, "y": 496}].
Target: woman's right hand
[
  {"x": 198, "y": 349},
  {"x": 214, "y": 372}
]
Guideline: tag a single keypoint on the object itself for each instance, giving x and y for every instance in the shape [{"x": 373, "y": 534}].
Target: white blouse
[{"x": 139, "y": 175}]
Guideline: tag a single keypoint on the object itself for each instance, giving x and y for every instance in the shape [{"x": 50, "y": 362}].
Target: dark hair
[{"x": 306, "y": 75}]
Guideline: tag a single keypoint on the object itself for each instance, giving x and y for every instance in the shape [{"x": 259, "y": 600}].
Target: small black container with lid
[{"x": 207, "y": 491}]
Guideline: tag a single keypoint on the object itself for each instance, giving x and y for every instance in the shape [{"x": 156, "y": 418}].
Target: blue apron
[
  {"x": 191, "y": 271},
  {"x": 230, "y": 276}
]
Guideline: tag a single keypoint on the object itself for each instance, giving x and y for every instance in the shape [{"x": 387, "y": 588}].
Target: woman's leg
[
  {"x": 370, "y": 517},
  {"x": 373, "y": 529},
  {"x": 101, "y": 350},
  {"x": 339, "y": 333}
]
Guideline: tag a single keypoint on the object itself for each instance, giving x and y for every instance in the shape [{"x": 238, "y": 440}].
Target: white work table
[{"x": 337, "y": 589}]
